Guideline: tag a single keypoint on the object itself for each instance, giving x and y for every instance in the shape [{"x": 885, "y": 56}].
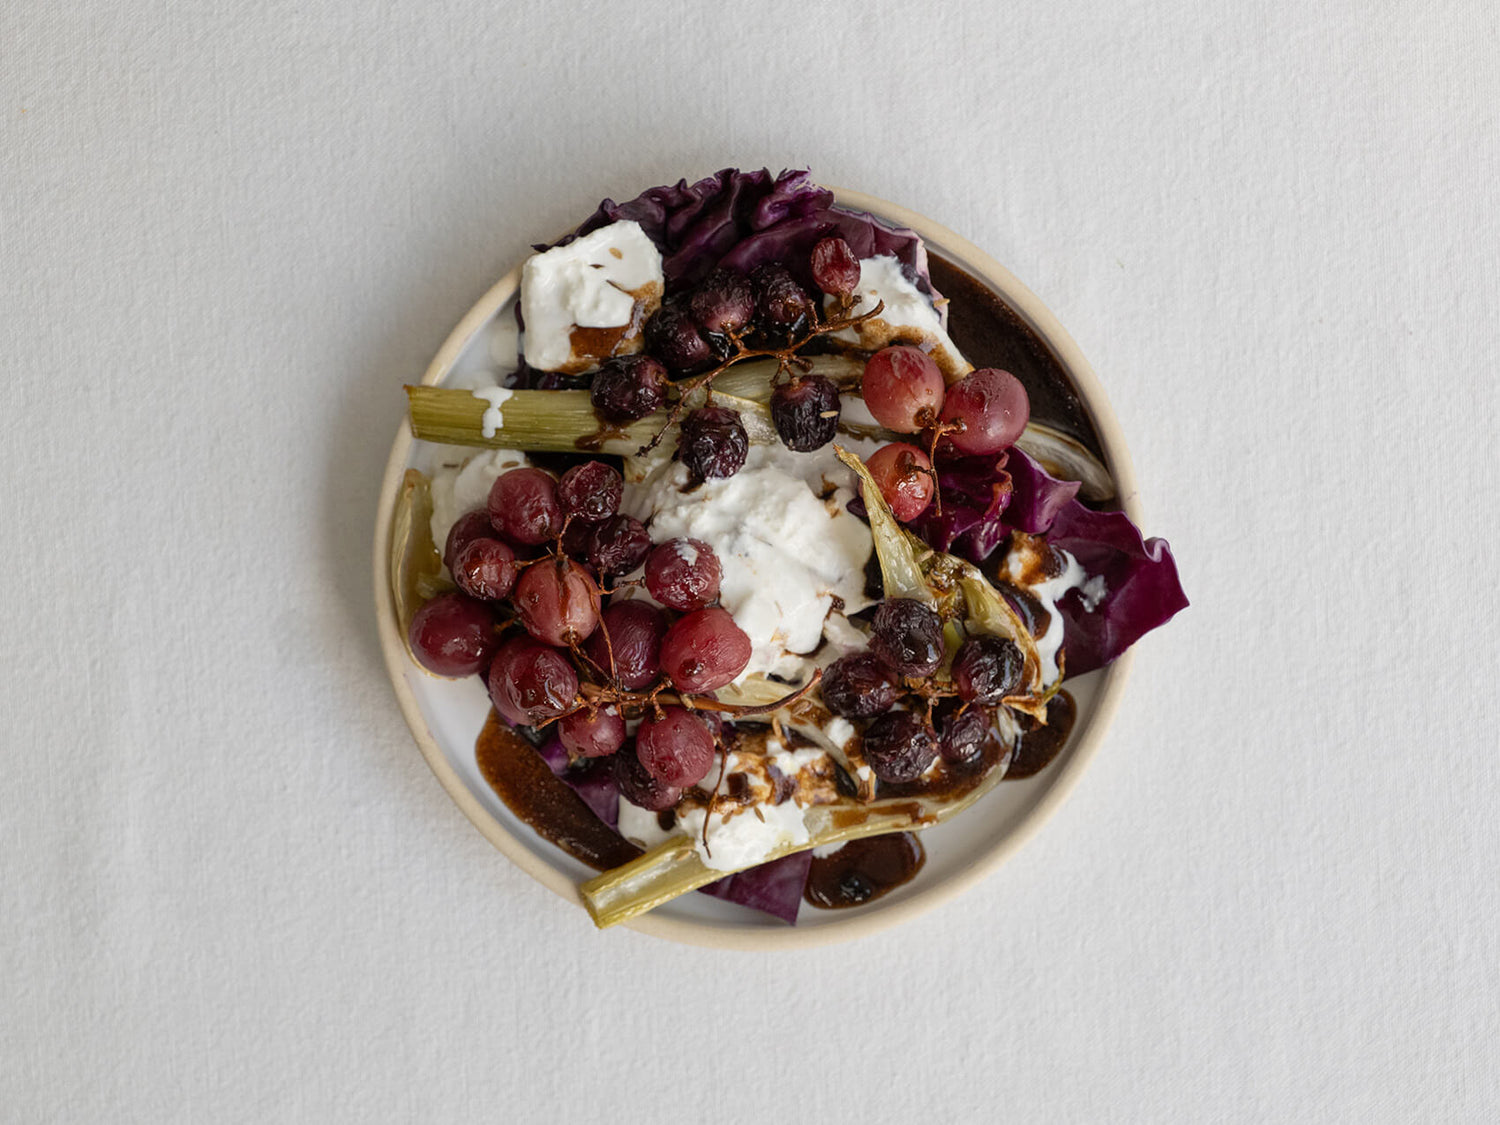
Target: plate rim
[{"x": 728, "y": 935}]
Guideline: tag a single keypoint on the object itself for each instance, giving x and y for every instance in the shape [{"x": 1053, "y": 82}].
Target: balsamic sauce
[
  {"x": 1040, "y": 744},
  {"x": 529, "y": 788},
  {"x": 863, "y": 870}
]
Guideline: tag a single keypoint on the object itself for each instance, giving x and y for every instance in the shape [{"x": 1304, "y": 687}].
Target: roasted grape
[
  {"x": 557, "y": 601},
  {"x": 524, "y": 508},
  {"x": 674, "y": 337},
  {"x": 713, "y": 443},
  {"x": 962, "y": 734},
  {"x": 627, "y": 644},
  {"x": 835, "y": 268},
  {"x": 899, "y": 746},
  {"x": 683, "y": 574},
  {"x": 638, "y": 786},
  {"x": 485, "y": 568},
  {"x": 704, "y": 650},
  {"x": 903, "y": 388},
  {"x": 992, "y": 408},
  {"x": 626, "y": 388},
  {"x": 722, "y": 305},
  {"x": 783, "y": 310},
  {"x": 590, "y": 491},
  {"x": 805, "y": 411},
  {"x": 908, "y": 636},
  {"x": 859, "y": 686},
  {"x": 987, "y": 669},
  {"x": 904, "y": 475},
  {"x": 621, "y": 543},
  {"x": 453, "y": 635},
  {"x": 470, "y": 525},
  {"x": 677, "y": 748},
  {"x": 592, "y": 734},
  {"x": 531, "y": 683}
]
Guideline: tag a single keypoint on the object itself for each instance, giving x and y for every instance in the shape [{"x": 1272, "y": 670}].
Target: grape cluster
[{"x": 535, "y": 557}]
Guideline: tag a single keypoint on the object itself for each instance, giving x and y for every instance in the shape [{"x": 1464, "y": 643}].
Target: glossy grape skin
[
  {"x": 899, "y": 746},
  {"x": 627, "y": 388},
  {"x": 675, "y": 338},
  {"x": 638, "y": 786},
  {"x": 595, "y": 735},
  {"x": 713, "y": 443},
  {"x": 557, "y": 601},
  {"x": 859, "y": 686},
  {"x": 683, "y": 574},
  {"x": 453, "y": 635},
  {"x": 524, "y": 508},
  {"x": 632, "y": 631},
  {"x": 961, "y": 735},
  {"x": 805, "y": 411},
  {"x": 620, "y": 544},
  {"x": 783, "y": 310},
  {"x": 591, "y": 491},
  {"x": 993, "y": 408},
  {"x": 485, "y": 568},
  {"x": 471, "y": 525},
  {"x": 723, "y": 302},
  {"x": 903, "y": 388},
  {"x": 677, "y": 749},
  {"x": 835, "y": 268},
  {"x": 704, "y": 650},
  {"x": 908, "y": 636},
  {"x": 531, "y": 683},
  {"x": 904, "y": 474},
  {"x": 986, "y": 669}
]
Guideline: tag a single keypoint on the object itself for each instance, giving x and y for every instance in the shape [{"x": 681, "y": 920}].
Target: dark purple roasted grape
[
  {"x": 987, "y": 669},
  {"x": 590, "y": 491},
  {"x": 908, "y": 636},
  {"x": 626, "y": 388},
  {"x": 531, "y": 683},
  {"x": 962, "y": 734},
  {"x": 899, "y": 746},
  {"x": 621, "y": 543},
  {"x": 835, "y": 269},
  {"x": 485, "y": 568},
  {"x": 638, "y": 786},
  {"x": 713, "y": 443},
  {"x": 722, "y": 305},
  {"x": 453, "y": 635},
  {"x": 673, "y": 336},
  {"x": 523, "y": 506},
  {"x": 683, "y": 574},
  {"x": 783, "y": 310},
  {"x": 859, "y": 686},
  {"x": 578, "y": 538},
  {"x": 627, "y": 644},
  {"x": 806, "y": 412},
  {"x": 677, "y": 748}
]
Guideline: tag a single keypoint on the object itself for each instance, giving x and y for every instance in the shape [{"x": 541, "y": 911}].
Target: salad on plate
[{"x": 761, "y": 570}]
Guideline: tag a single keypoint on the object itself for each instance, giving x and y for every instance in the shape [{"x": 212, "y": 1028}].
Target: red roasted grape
[
  {"x": 858, "y": 686},
  {"x": 677, "y": 748},
  {"x": 592, "y": 735},
  {"x": 704, "y": 650},
  {"x": 806, "y": 412},
  {"x": 638, "y": 786},
  {"x": 621, "y": 543},
  {"x": 713, "y": 443},
  {"x": 903, "y": 388},
  {"x": 683, "y": 574},
  {"x": 722, "y": 303},
  {"x": 485, "y": 568},
  {"x": 453, "y": 635},
  {"x": 578, "y": 538},
  {"x": 987, "y": 669},
  {"x": 557, "y": 601},
  {"x": 835, "y": 268},
  {"x": 631, "y": 631},
  {"x": 524, "y": 508},
  {"x": 908, "y": 636},
  {"x": 531, "y": 683},
  {"x": 899, "y": 746},
  {"x": 904, "y": 475},
  {"x": 628, "y": 387},
  {"x": 470, "y": 525},
  {"x": 590, "y": 491},
  {"x": 993, "y": 407},
  {"x": 674, "y": 337}
]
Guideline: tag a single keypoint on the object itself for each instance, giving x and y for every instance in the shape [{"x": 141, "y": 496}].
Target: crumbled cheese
[{"x": 742, "y": 838}]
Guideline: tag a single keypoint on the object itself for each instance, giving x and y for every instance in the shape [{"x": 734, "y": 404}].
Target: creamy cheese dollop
[
  {"x": 908, "y": 316},
  {"x": 596, "y": 281},
  {"x": 792, "y": 556}
]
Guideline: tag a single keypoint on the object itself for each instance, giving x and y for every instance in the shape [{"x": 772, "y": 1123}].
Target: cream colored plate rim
[{"x": 1058, "y": 782}]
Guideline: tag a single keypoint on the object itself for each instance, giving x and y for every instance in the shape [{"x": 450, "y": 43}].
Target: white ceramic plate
[{"x": 446, "y": 716}]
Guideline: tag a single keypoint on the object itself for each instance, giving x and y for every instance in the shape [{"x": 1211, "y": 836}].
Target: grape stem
[{"x": 786, "y": 359}]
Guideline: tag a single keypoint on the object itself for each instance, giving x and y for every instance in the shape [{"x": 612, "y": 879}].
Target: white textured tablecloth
[{"x": 230, "y": 890}]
